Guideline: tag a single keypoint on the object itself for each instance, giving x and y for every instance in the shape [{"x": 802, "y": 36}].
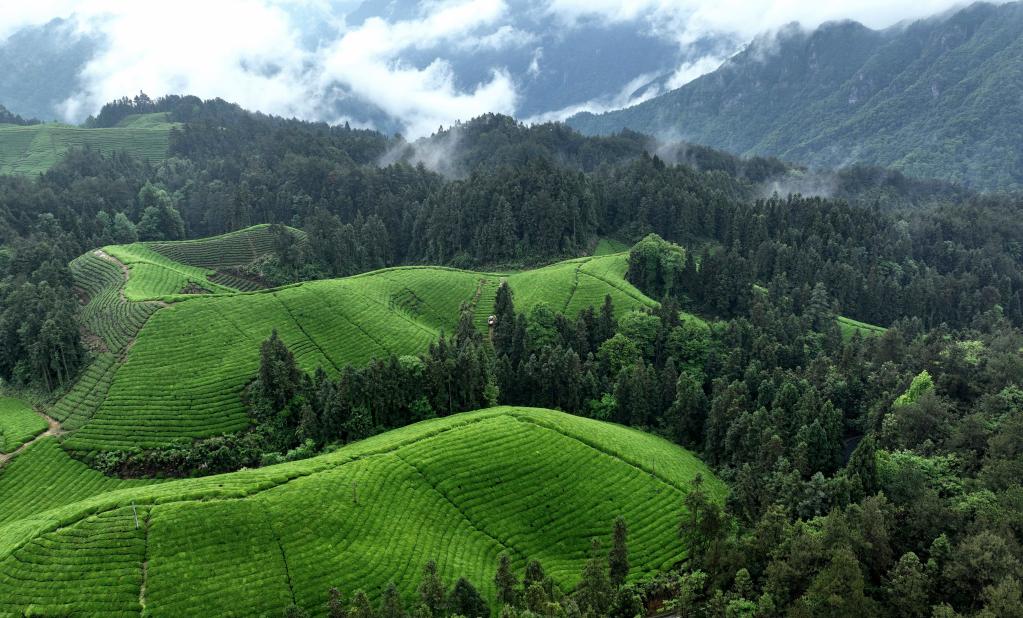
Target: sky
[{"x": 293, "y": 58}]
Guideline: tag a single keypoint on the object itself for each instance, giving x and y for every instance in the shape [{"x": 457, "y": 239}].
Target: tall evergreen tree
[
  {"x": 505, "y": 581},
  {"x": 390, "y": 603},
  {"x": 431, "y": 589},
  {"x": 594, "y": 590},
  {"x": 465, "y": 600},
  {"x": 618, "y": 557},
  {"x": 504, "y": 315}
]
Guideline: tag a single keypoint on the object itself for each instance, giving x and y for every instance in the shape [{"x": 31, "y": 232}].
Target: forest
[{"x": 869, "y": 474}]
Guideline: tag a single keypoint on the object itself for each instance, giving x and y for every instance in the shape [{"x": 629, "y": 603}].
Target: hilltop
[{"x": 534, "y": 483}]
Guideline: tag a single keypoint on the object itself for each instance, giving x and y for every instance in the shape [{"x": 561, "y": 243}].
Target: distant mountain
[{"x": 938, "y": 98}]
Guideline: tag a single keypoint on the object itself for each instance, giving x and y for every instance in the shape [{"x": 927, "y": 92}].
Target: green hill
[
  {"x": 168, "y": 371},
  {"x": 936, "y": 98},
  {"x": 33, "y": 149},
  {"x": 184, "y": 374},
  {"x": 535, "y": 483}
]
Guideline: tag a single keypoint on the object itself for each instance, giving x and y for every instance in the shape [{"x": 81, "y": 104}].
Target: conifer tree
[
  {"x": 361, "y": 607},
  {"x": 431, "y": 589},
  {"x": 390, "y": 603},
  {"x": 335, "y": 604},
  {"x": 505, "y": 580},
  {"x": 618, "y": 557},
  {"x": 465, "y": 600}
]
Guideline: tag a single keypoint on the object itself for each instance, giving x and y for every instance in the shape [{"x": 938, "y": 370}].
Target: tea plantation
[
  {"x": 36, "y": 148},
  {"x": 459, "y": 490},
  {"x": 18, "y": 424},
  {"x": 184, "y": 373}
]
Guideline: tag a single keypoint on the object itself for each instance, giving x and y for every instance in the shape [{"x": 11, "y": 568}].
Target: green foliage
[
  {"x": 326, "y": 324},
  {"x": 922, "y": 383}
]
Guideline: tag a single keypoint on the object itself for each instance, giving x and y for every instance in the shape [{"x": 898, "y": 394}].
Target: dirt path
[
  {"x": 53, "y": 429},
  {"x": 124, "y": 269},
  {"x": 126, "y": 272}
]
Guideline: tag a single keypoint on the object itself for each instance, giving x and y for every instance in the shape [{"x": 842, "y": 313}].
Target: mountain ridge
[{"x": 931, "y": 98}]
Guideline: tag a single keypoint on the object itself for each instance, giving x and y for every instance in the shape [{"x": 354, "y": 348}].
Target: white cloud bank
[{"x": 252, "y": 51}]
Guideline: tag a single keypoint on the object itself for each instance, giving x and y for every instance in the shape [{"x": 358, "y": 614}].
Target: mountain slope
[
  {"x": 937, "y": 98},
  {"x": 534, "y": 483}
]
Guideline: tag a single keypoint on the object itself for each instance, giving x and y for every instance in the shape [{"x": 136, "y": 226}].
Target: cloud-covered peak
[{"x": 406, "y": 65}]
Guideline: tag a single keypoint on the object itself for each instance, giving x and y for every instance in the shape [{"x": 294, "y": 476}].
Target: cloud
[
  {"x": 688, "y": 20},
  {"x": 639, "y": 89},
  {"x": 299, "y": 57},
  {"x": 366, "y": 60}
]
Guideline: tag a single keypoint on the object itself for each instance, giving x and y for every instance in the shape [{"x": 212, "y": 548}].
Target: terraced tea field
[
  {"x": 573, "y": 285},
  {"x": 848, "y": 326},
  {"x": 19, "y": 423},
  {"x": 183, "y": 374},
  {"x": 229, "y": 250},
  {"x": 460, "y": 490},
  {"x": 44, "y": 476},
  {"x": 36, "y": 148}
]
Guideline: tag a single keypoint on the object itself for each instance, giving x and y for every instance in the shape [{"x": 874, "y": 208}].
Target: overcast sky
[{"x": 259, "y": 53}]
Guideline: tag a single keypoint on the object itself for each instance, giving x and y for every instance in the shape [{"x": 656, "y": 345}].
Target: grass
[
  {"x": 460, "y": 490},
  {"x": 849, "y": 326},
  {"x": 19, "y": 423},
  {"x": 36, "y": 148}
]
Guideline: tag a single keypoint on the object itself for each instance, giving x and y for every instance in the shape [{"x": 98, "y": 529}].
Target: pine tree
[
  {"x": 361, "y": 607},
  {"x": 504, "y": 314},
  {"x": 534, "y": 574},
  {"x": 465, "y": 600},
  {"x": 431, "y": 589},
  {"x": 505, "y": 580},
  {"x": 594, "y": 588},
  {"x": 606, "y": 320},
  {"x": 390, "y": 603},
  {"x": 279, "y": 376},
  {"x": 618, "y": 557},
  {"x": 335, "y": 604}
]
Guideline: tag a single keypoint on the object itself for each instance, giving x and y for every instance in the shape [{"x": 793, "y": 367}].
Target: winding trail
[{"x": 53, "y": 429}]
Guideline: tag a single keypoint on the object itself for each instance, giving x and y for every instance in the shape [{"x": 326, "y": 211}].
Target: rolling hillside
[
  {"x": 171, "y": 364},
  {"x": 934, "y": 99},
  {"x": 184, "y": 374},
  {"x": 534, "y": 483},
  {"x": 34, "y": 149},
  {"x": 167, "y": 371}
]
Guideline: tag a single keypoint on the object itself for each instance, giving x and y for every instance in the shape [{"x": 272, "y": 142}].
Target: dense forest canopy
[{"x": 869, "y": 474}]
